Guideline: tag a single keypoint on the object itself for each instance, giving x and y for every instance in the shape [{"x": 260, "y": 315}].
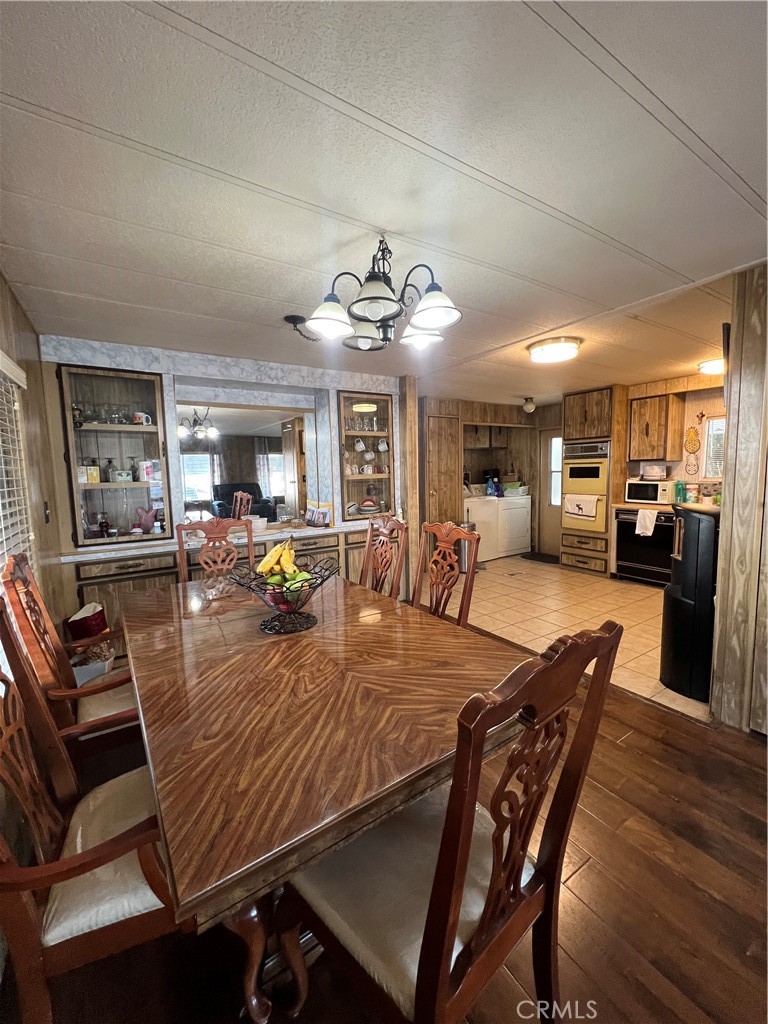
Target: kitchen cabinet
[
  {"x": 656, "y": 428},
  {"x": 441, "y": 461},
  {"x": 587, "y": 415},
  {"x": 514, "y": 525},
  {"x": 116, "y": 455},
  {"x": 365, "y": 422},
  {"x": 476, "y": 436}
]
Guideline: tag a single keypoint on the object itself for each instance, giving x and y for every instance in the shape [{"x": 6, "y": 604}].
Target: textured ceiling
[{"x": 183, "y": 174}]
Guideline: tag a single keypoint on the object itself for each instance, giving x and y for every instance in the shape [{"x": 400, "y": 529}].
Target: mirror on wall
[{"x": 267, "y": 452}]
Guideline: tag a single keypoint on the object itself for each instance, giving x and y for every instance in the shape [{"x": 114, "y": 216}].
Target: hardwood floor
[{"x": 662, "y": 906}]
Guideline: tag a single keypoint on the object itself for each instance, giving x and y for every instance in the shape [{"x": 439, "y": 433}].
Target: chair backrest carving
[
  {"x": 35, "y": 628},
  {"x": 443, "y": 568},
  {"x": 381, "y": 554},
  {"x": 48, "y": 742},
  {"x": 21, "y": 777},
  {"x": 538, "y": 694},
  {"x": 217, "y": 555},
  {"x": 241, "y": 504}
]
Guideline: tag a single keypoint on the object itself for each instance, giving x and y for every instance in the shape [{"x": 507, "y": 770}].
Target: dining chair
[
  {"x": 241, "y": 504},
  {"x": 104, "y": 702},
  {"x": 99, "y": 882},
  {"x": 426, "y": 907},
  {"x": 443, "y": 569},
  {"x": 217, "y": 554},
  {"x": 381, "y": 554}
]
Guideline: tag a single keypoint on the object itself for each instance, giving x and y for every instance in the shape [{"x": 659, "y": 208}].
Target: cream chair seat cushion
[
  {"x": 122, "y": 698},
  {"x": 373, "y": 893},
  {"x": 115, "y": 891}
]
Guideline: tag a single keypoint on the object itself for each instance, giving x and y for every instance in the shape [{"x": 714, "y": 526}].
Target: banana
[
  {"x": 287, "y": 564},
  {"x": 270, "y": 560}
]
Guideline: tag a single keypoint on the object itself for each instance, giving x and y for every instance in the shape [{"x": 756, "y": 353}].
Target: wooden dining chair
[
  {"x": 381, "y": 554},
  {"x": 217, "y": 554},
  {"x": 99, "y": 885},
  {"x": 443, "y": 569},
  {"x": 241, "y": 504},
  {"x": 104, "y": 702},
  {"x": 426, "y": 907}
]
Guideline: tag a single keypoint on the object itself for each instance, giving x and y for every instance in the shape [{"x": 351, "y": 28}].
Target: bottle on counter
[
  {"x": 679, "y": 492},
  {"x": 490, "y": 490},
  {"x": 498, "y": 490}
]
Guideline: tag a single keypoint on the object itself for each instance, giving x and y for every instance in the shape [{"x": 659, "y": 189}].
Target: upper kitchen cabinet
[
  {"x": 656, "y": 428},
  {"x": 476, "y": 436},
  {"x": 116, "y": 455},
  {"x": 587, "y": 415}
]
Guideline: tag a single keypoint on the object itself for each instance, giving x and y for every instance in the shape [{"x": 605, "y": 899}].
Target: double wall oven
[{"x": 585, "y": 472}]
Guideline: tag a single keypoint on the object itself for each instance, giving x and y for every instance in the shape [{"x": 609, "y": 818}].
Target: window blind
[{"x": 15, "y": 523}]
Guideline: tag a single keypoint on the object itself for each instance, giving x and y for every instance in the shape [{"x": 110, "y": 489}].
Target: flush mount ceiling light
[
  {"x": 554, "y": 350},
  {"x": 529, "y": 405},
  {"x": 368, "y": 323},
  {"x": 198, "y": 427},
  {"x": 365, "y": 407},
  {"x": 712, "y": 366}
]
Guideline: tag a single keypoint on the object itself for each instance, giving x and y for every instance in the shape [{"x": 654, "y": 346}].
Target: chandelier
[
  {"x": 198, "y": 427},
  {"x": 368, "y": 323}
]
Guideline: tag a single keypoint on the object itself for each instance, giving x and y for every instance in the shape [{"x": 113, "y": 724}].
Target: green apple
[{"x": 276, "y": 580}]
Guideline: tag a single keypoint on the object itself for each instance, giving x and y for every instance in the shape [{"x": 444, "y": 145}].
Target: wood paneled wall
[
  {"x": 19, "y": 341},
  {"x": 739, "y": 669}
]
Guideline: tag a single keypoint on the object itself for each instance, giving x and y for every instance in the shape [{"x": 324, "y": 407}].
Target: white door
[{"x": 514, "y": 529}]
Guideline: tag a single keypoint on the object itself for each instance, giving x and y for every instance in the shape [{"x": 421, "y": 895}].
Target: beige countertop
[
  {"x": 145, "y": 548},
  {"x": 642, "y": 504}
]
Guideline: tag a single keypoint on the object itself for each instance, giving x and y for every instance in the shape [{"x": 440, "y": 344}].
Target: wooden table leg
[{"x": 249, "y": 924}]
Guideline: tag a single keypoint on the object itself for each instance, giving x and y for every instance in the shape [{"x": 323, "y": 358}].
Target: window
[
  {"x": 15, "y": 524},
  {"x": 276, "y": 474},
  {"x": 556, "y": 471},
  {"x": 715, "y": 448},
  {"x": 198, "y": 481}
]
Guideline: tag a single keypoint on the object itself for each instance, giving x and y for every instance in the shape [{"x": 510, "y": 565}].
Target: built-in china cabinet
[
  {"x": 116, "y": 455},
  {"x": 365, "y": 426}
]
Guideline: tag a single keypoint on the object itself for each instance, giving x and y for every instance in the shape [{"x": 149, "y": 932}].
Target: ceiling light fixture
[
  {"x": 368, "y": 323},
  {"x": 712, "y": 366},
  {"x": 198, "y": 427},
  {"x": 554, "y": 350},
  {"x": 529, "y": 405},
  {"x": 365, "y": 407}
]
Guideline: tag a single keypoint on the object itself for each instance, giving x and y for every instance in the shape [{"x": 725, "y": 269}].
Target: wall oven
[
  {"x": 585, "y": 471},
  {"x": 645, "y": 559}
]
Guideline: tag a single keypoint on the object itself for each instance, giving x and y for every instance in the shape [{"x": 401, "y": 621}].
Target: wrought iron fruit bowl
[{"x": 289, "y": 598}]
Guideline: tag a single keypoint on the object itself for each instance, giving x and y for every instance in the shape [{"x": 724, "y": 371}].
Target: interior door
[
  {"x": 443, "y": 449},
  {"x": 550, "y": 490}
]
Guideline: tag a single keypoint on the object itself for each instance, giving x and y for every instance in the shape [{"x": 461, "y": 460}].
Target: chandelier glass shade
[
  {"x": 330, "y": 320},
  {"x": 368, "y": 323},
  {"x": 198, "y": 427}
]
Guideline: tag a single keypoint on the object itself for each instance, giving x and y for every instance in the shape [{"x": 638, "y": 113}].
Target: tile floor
[{"x": 532, "y": 603}]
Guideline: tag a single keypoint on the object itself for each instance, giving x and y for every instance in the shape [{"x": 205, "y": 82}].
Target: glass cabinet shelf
[
  {"x": 367, "y": 461},
  {"x": 116, "y": 455}
]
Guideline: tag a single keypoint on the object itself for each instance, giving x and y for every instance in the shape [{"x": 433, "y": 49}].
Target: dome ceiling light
[
  {"x": 554, "y": 350},
  {"x": 712, "y": 366},
  {"x": 529, "y": 405},
  {"x": 368, "y": 323}
]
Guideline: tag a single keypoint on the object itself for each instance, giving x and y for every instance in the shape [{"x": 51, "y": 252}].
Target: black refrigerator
[{"x": 688, "y": 623}]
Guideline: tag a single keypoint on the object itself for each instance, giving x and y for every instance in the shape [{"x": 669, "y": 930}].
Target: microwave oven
[{"x": 651, "y": 492}]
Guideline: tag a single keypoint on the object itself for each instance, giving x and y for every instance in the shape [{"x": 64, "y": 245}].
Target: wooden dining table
[{"x": 268, "y": 751}]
